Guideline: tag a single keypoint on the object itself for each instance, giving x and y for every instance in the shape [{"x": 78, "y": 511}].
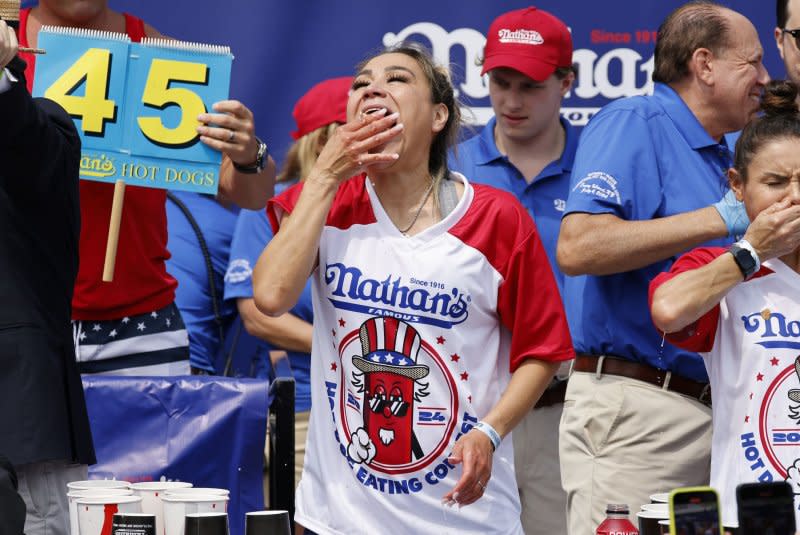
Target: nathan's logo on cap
[{"x": 521, "y": 37}]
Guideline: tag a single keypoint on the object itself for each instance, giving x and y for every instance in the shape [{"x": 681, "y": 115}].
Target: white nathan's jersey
[
  {"x": 415, "y": 339},
  {"x": 750, "y": 344}
]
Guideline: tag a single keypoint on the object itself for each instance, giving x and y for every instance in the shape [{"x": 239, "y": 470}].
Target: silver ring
[
  {"x": 481, "y": 485},
  {"x": 230, "y": 137}
]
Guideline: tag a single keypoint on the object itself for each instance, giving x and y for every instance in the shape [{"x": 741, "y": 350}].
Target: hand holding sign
[{"x": 136, "y": 107}]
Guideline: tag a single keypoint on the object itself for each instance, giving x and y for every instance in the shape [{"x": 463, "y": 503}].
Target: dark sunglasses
[
  {"x": 396, "y": 407},
  {"x": 795, "y": 34}
]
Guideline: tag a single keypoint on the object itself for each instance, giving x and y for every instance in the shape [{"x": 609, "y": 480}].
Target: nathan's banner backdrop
[
  {"x": 135, "y": 105},
  {"x": 283, "y": 48}
]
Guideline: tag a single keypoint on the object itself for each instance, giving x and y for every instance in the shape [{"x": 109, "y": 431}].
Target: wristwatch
[
  {"x": 745, "y": 257},
  {"x": 258, "y": 165}
]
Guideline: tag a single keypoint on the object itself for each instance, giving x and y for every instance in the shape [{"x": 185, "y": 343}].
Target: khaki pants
[
  {"x": 622, "y": 440},
  {"x": 543, "y": 500},
  {"x": 300, "y": 436},
  {"x": 43, "y": 487}
]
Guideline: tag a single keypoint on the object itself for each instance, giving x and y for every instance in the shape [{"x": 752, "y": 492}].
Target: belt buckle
[{"x": 705, "y": 395}]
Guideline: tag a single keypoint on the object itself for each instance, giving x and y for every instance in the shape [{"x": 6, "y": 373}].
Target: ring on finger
[
  {"x": 481, "y": 485},
  {"x": 231, "y": 135}
]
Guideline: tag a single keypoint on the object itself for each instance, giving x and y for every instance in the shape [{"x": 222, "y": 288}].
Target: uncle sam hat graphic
[{"x": 389, "y": 345}]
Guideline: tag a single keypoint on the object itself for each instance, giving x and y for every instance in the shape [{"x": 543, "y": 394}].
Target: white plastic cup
[
  {"x": 661, "y": 497},
  {"x": 89, "y": 484},
  {"x": 96, "y": 513},
  {"x": 658, "y": 507},
  {"x": 151, "y": 493},
  {"x": 176, "y": 507},
  {"x": 189, "y": 491},
  {"x": 72, "y": 500}
]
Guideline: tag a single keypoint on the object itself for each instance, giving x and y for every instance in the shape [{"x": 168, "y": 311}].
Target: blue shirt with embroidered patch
[
  {"x": 639, "y": 158},
  {"x": 252, "y": 234},
  {"x": 481, "y": 162}
]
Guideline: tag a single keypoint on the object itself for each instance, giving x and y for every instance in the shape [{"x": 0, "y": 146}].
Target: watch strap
[
  {"x": 746, "y": 258},
  {"x": 258, "y": 165}
]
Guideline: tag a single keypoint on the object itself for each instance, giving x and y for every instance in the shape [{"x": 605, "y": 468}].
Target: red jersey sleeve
[
  {"x": 698, "y": 336},
  {"x": 529, "y": 305},
  {"x": 282, "y": 204}
]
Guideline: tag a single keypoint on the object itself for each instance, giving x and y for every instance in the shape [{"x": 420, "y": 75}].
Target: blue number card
[{"x": 135, "y": 105}]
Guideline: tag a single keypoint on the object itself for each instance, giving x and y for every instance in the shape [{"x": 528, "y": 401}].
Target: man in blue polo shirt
[
  {"x": 646, "y": 186},
  {"x": 527, "y": 149}
]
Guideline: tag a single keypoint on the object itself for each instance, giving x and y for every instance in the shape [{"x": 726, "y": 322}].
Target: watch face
[{"x": 744, "y": 259}]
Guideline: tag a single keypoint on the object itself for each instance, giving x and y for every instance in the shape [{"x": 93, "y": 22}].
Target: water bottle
[{"x": 617, "y": 521}]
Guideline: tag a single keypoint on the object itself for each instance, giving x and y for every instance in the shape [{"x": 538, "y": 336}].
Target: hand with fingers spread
[
  {"x": 8, "y": 44},
  {"x": 776, "y": 230},
  {"x": 473, "y": 451},
  {"x": 348, "y": 151},
  {"x": 230, "y": 130}
]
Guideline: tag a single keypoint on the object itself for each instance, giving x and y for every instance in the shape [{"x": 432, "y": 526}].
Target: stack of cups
[
  {"x": 272, "y": 522},
  {"x": 152, "y": 493},
  {"x": 96, "y": 513},
  {"x": 92, "y": 487},
  {"x": 652, "y": 514},
  {"x": 182, "y": 504}
]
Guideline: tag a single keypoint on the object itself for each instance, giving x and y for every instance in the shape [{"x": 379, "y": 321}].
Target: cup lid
[
  {"x": 267, "y": 513},
  {"x": 661, "y": 497}
]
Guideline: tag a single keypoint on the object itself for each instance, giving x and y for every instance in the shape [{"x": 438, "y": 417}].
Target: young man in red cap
[{"x": 527, "y": 149}]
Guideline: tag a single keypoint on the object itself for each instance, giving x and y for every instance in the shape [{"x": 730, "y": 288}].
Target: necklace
[{"x": 419, "y": 211}]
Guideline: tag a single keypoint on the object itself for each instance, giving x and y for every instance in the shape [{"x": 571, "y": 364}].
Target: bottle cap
[{"x": 617, "y": 508}]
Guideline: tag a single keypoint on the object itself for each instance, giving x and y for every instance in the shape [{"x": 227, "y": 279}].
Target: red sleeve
[
  {"x": 698, "y": 336},
  {"x": 282, "y": 204},
  {"x": 528, "y": 302},
  {"x": 351, "y": 205},
  {"x": 529, "y": 305}
]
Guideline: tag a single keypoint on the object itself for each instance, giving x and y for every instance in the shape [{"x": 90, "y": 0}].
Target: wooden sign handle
[{"x": 113, "y": 231}]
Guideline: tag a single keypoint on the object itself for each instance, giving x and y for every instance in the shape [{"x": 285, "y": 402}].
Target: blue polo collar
[
  {"x": 488, "y": 151},
  {"x": 683, "y": 118}
]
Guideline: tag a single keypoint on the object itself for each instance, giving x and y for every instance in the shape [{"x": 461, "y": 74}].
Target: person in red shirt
[{"x": 131, "y": 325}]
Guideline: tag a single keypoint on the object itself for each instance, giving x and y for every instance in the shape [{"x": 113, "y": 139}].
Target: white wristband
[{"x": 490, "y": 432}]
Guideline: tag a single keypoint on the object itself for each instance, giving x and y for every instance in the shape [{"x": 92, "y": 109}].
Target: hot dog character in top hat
[{"x": 390, "y": 379}]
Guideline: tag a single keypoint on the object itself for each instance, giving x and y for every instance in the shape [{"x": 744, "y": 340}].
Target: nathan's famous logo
[
  {"x": 98, "y": 167},
  {"x": 398, "y": 403},
  {"x": 351, "y": 290},
  {"x": 774, "y": 328},
  {"x": 521, "y": 36}
]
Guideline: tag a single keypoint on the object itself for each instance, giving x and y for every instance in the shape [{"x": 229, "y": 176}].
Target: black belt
[{"x": 642, "y": 372}]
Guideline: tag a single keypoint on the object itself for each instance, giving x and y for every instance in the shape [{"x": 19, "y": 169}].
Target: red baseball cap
[
  {"x": 531, "y": 41},
  {"x": 323, "y": 104}
]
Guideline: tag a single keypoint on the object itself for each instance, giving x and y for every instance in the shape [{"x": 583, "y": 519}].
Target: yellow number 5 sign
[{"x": 136, "y": 104}]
